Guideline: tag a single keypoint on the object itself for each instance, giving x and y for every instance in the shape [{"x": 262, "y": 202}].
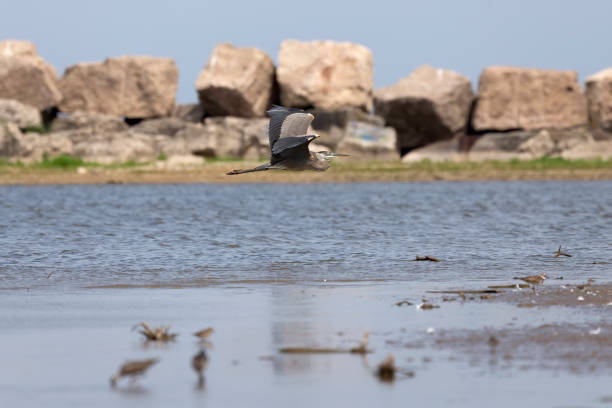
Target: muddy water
[{"x": 272, "y": 266}]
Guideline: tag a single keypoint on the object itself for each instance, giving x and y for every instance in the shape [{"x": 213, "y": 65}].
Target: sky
[{"x": 464, "y": 36}]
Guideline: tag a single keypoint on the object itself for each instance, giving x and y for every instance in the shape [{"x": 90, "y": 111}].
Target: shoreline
[{"x": 350, "y": 172}]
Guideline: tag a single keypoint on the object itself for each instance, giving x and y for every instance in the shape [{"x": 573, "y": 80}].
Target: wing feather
[{"x": 287, "y": 122}]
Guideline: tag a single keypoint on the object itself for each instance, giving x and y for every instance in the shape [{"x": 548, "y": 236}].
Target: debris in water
[
  {"x": 156, "y": 334},
  {"x": 430, "y": 330},
  {"x": 133, "y": 369},
  {"x": 580, "y": 298},
  {"x": 517, "y": 285},
  {"x": 404, "y": 302},
  {"x": 427, "y": 306},
  {"x": 560, "y": 253},
  {"x": 469, "y": 292},
  {"x": 426, "y": 258},
  {"x": 386, "y": 369},
  {"x": 493, "y": 341},
  {"x": 595, "y": 332},
  {"x": 361, "y": 349}
]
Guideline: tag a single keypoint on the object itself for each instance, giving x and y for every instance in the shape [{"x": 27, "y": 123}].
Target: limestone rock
[
  {"x": 234, "y": 137},
  {"x": 500, "y": 146},
  {"x": 189, "y": 112},
  {"x": 236, "y": 82},
  {"x": 599, "y": 96},
  {"x": 17, "y": 48},
  {"x": 10, "y": 137},
  {"x": 33, "y": 147},
  {"x": 161, "y": 126},
  {"x": 540, "y": 145},
  {"x": 523, "y": 98},
  {"x": 369, "y": 142},
  {"x": 429, "y": 105},
  {"x": 130, "y": 86},
  {"x": 331, "y": 125},
  {"x": 98, "y": 122},
  {"x": 22, "y": 115},
  {"x": 592, "y": 150},
  {"x": 443, "y": 150},
  {"x": 29, "y": 80},
  {"x": 174, "y": 136},
  {"x": 325, "y": 74},
  {"x": 112, "y": 147}
]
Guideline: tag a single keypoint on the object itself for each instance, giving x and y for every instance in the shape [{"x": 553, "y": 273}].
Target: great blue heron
[{"x": 289, "y": 143}]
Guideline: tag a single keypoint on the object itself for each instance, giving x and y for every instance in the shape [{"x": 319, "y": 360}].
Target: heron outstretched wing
[
  {"x": 287, "y": 122},
  {"x": 292, "y": 147}
]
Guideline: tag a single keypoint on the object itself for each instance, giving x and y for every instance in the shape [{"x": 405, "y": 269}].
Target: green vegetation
[
  {"x": 36, "y": 129},
  {"x": 162, "y": 157}
]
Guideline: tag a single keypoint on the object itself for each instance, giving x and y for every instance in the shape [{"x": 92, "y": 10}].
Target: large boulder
[
  {"x": 441, "y": 151},
  {"x": 98, "y": 122},
  {"x": 10, "y": 137},
  {"x": 601, "y": 149},
  {"x": 332, "y": 125},
  {"x": 114, "y": 147},
  {"x": 236, "y": 82},
  {"x": 369, "y": 142},
  {"x": 500, "y": 146},
  {"x": 235, "y": 137},
  {"x": 429, "y": 105},
  {"x": 325, "y": 75},
  {"x": 189, "y": 112},
  {"x": 130, "y": 86},
  {"x": 17, "y": 48},
  {"x": 29, "y": 80},
  {"x": 33, "y": 147},
  {"x": 174, "y": 136},
  {"x": 524, "y": 98},
  {"x": 22, "y": 115},
  {"x": 599, "y": 96}
]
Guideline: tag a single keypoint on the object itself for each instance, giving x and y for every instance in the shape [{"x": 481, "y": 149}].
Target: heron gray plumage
[{"x": 289, "y": 141}]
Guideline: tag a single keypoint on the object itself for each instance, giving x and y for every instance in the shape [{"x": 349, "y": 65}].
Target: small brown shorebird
[
  {"x": 198, "y": 362},
  {"x": 204, "y": 333},
  {"x": 534, "y": 279},
  {"x": 386, "y": 369},
  {"x": 133, "y": 369},
  {"x": 561, "y": 253}
]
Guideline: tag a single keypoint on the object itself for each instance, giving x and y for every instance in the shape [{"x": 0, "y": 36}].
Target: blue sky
[{"x": 464, "y": 36}]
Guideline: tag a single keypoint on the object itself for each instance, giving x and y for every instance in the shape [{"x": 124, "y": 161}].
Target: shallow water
[{"x": 270, "y": 266}]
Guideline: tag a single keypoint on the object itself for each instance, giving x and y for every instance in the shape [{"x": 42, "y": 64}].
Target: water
[{"x": 282, "y": 265}]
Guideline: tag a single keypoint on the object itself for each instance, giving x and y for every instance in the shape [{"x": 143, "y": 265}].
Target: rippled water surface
[{"x": 279, "y": 265}]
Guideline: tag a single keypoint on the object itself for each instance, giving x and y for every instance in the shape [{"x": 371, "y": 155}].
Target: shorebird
[
  {"x": 198, "y": 362},
  {"x": 133, "y": 369},
  {"x": 560, "y": 253},
  {"x": 287, "y": 133},
  {"x": 386, "y": 369},
  {"x": 204, "y": 333},
  {"x": 534, "y": 279}
]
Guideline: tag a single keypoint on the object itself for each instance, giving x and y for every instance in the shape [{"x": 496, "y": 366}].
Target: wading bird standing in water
[{"x": 289, "y": 143}]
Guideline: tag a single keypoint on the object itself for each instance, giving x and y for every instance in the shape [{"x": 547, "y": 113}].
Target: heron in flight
[{"x": 289, "y": 143}]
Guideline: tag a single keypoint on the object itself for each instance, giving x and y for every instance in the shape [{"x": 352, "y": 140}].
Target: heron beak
[{"x": 332, "y": 154}]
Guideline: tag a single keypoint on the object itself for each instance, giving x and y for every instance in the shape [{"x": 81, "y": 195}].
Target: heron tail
[{"x": 263, "y": 167}]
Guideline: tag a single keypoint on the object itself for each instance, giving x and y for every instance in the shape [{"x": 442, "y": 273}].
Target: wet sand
[{"x": 353, "y": 172}]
